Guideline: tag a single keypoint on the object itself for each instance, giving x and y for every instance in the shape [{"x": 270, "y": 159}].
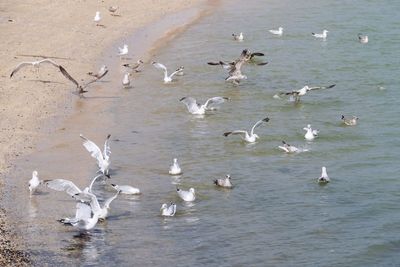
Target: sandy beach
[{"x": 30, "y": 100}]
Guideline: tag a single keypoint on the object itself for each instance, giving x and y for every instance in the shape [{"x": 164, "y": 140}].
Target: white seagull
[
  {"x": 225, "y": 182},
  {"x": 363, "y": 38},
  {"x": 134, "y": 67},
  {"x": 86, "y": 219},
  {"x": 68, "y": 186},
  {"x": 310, "y": 134},
  {"x": 198, "y": 109},
  {"x": 279, "y": 31},
  {"x": 296, "y": 94},
  {"x": 288, "y": 148},
  {"x": 350, "y": 122},
  {"x": 187, "y": 195},
  {"x": 175, "y": 169},
  {"x": 252, "y": 137},
  {"x": 322, "y": 35},
  {"x": 92, "y": 200},
  {"x": 324, "y": 178},
  {"x": 238, "y": 37},
  {"x": 123, "y": 51},
  {"x": 103, "y": 159},
  {"x": 34, "y": 64},
  {"x": 127, "y": 189},
  {"x": 167, "y": 78},
  {"x": 34, "y": 182},
  {"x": 97, "y": 18},
  {"x": 168, "y": 210},
  {"x": 126, "y": 82}
]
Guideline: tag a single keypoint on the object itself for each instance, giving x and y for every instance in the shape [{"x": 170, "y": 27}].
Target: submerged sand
[{"x": 64, "y": 31}]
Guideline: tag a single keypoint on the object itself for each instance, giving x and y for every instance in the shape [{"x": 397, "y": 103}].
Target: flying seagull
[
  {"x": 246, "y": 56},
  {"x": 252, "y": 137},
  {"x": 322, "y": 35},
  {"x": 198, "y": 109},
  {"x": 35, "y": 64},
  {"x": 279, "y": 31},
  {"x": 296, "y": 94},
  {"x": 103, "y": 159},
  {"x": 168, "y": 210},
  {"x": 224, "y": 182},
  {"x": 167, "y": 78}
]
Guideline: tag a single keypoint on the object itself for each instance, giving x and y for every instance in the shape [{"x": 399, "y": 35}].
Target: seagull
[
  {"x": 134, "y": 67},
  {"x": 113, "y": 10},
  {"x": 310, "y": 134},
  {"x": 279, "y": 31},
  {"x": 126, "y": 82},
  {"x": 324, "y": 176},
  {"x": 288, "y": 148},
  {"x": 34, "y": 182},
  {"x": 238, "y": 37},
  {"x": 68, "y": 186},
  {"x": 175, "y": 169},
  {"x": 322, "y": 35},
  {"x": 123, "y": 51},
  {"x": 252, "y": 137},
  {"x": 198, "y": 109},
  {"x": 92, "y": 200},
  {"x": 34, "y": 64},
  {"x": 167, "y": 78},
  {"x": 85, "y": 218},
  {"x": 186, "y": 195},
  {"x": 235, "y": 74},
  {"x": 100, "y": 74},
  {"x": 350, "y": 122},
  {"x": 362, "y": 38},
  {"x": 168, "y": 210},
  {"x": 97, "y": 18},
  {"x": 246, "y": 56},
  {"x": 296, "y": 94},
  {"x": 103, "y": 159},
  {"x": 127, "y": 189},
  {"x": 226, "y": 182}
]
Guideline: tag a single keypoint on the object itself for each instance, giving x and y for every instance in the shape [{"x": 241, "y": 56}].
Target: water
[{"x": 277, "y": 215}]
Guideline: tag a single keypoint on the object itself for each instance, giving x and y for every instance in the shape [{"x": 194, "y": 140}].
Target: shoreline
[{"x": 59, "y": 107}]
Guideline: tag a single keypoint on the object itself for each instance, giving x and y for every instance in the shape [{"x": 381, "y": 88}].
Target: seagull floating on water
[
  {"x": 127, "y": 189},
  {"x": 168, "y": 210},
  {"x": 324, "y": 178},
  {"x": 296, "y": 94},
  {"x": 123, "y": 51},
  {"x": 167, "y": 78},
  {"x": 126, "y": 82},
  {"x": 100, "y": 74},
  {"x": 187, "y": 195},
  {"x": 103, "y": 159},
  {"x": 175, "y": 169},
  {"x": 310, "y": 134},
  {"x": 350, "y": 121},
  {"x": 134, "y": 67},
  {"x": 322, "y": 35},
  {"x": 279, "y": 31},
  {"x": 362, "y": 38},
  {"x": 288, "y": 148},
  {"x": 225, "y": 182},
  {"x": 198, "y": 109},
  {"x": 252, "y": 137},
  {"x": 238, "y": 37},
  {"x": 34, "y": 182}
]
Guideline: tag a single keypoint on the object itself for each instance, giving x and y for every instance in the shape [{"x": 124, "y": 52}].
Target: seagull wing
[
  {"x": 63, "y": 185},
  {"x": 94, "y": 150},
  {"x": 256, "y": 54},
  {"x": 159, "y": 66},
  {"x": 321, "y": 87},
  {"x": 236, "y": 132},
  {"x": 19, "y": 66},
  {"x": 258, "y": 123},
  {"x": 92, "y": 182},
  {"x": 89, "y": 198},
  {"x": 190, "y": 103},
  {"x": 215, "y": 101},
  {"x": 83, "y": 211},
  {"x": 68, "y": 76},
  {"x": 49, "y": 61},
  {"x": 175, "y": 72},
  {"x": 107, "y": 150},
  {"x": 110, "y": 199}
]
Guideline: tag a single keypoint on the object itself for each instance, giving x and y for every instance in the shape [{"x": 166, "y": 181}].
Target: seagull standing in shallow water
[
  {"x": 123, "y": 51},
  {"x": 198, "y": 109},
  {"x": 310, "y": 134},
  {"x": 252, "y": 137},
  {"x": 187, "y": 195},
  {"x": 167, "y": 78},
  {"x": 322, "y": 35},
  {"x": 103, "y": 159},
  {"x": 175, "y": 169},
  {"x": 168, "y": 210},
  {"x": 34, "y": 182},
  {"x": 126, "y": 82},
  {"x": 279, "y": 31},
  {"x": 324, "y": 178}
]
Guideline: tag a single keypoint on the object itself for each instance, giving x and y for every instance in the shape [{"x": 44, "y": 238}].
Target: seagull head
[
  {"x": 34, "y": 173},
  {"x": 164, "y": 206},
  {"x": 280, "y": 28},
  {"x": 228, "y": 176},
  {"x": 191, "y": 190}
]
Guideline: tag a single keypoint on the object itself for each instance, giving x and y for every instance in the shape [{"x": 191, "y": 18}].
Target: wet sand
[{"x": 38, "y": 105}]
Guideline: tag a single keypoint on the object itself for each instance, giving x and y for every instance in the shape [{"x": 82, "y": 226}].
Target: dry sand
[{"x": 64, "y": 30}]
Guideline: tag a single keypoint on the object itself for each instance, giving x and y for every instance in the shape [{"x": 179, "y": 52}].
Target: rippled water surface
[{"x": 276, "y": 215}]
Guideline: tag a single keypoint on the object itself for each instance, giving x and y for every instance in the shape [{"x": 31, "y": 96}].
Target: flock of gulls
[{"x": 89, "y": 210}]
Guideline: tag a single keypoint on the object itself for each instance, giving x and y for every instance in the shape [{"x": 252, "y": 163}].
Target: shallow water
[{"x": 276, "y": 215}]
